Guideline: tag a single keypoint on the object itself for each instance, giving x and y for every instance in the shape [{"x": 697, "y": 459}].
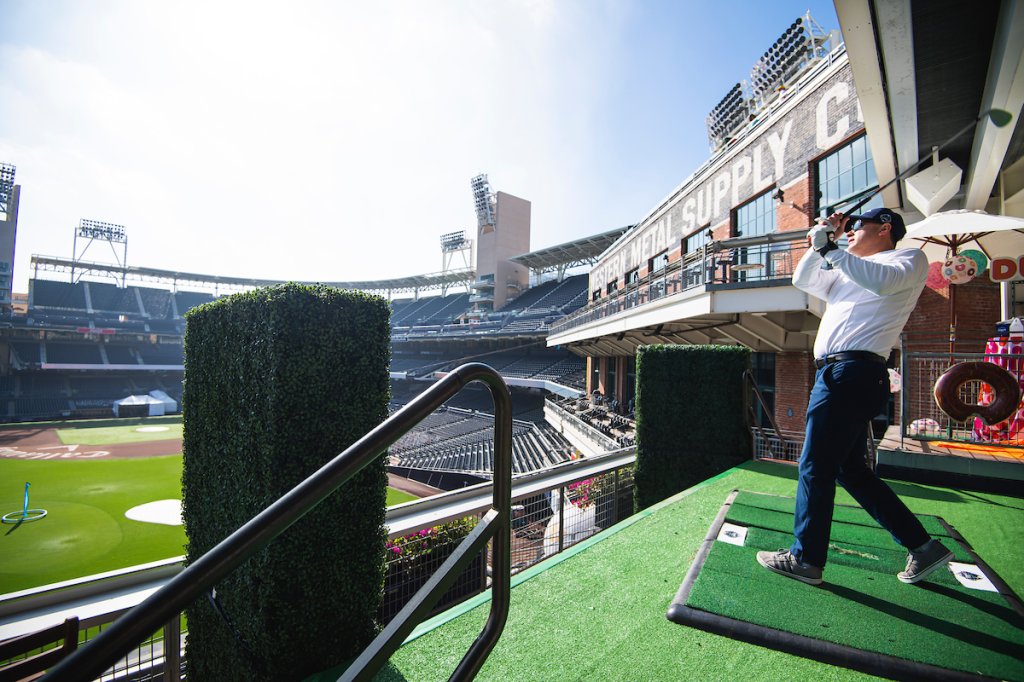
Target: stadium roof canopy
[
  {"x": 78, "y": 268},
  {"x": 583, "y": 251}
]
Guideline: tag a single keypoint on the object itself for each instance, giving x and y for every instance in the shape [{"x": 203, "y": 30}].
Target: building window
[
  {"x": 845, "y": 174},
  {"x": 763, "y": 367},
  {"x": 595, "y": 295},
  {"x": 612, "y": 286},
  {"x": 756, "y": 217},
  {"x": 658, "y": 263},
  {"x": 633, "y": 276},
  {"x": 697, "y": 240}
]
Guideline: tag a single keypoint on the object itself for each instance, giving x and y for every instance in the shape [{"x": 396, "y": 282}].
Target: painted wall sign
[
  {"x": 1006, "y": 268},
  {"x": 779, "y": 155}
]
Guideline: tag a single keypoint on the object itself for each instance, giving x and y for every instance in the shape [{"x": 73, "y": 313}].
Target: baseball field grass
[
  {"x": 119, "y": 434},
  {"x": 85, "y": 530}
]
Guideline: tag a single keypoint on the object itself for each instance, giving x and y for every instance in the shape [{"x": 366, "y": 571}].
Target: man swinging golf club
[{"x": 870, "y": 292}]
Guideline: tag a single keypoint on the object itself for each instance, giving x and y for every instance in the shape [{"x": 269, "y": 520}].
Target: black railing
[
  {"x": 91, "y": 660},
  {"x": 737, "y": 261}
]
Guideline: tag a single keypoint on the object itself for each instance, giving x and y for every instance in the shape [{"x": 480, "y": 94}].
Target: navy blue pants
[{"x": 845, "y": 396}]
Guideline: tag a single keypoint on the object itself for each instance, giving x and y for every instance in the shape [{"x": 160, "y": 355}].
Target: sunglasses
[{"x": 858, "y": 225}]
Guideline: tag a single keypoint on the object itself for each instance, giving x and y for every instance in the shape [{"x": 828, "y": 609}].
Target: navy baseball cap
[{"x": 884, "y": 215}]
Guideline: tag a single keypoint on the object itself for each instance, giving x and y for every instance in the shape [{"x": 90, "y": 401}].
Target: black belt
[{"x": 848, "y": 355}]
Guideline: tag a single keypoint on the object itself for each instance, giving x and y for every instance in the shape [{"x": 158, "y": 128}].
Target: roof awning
[{"x": 923, "y": 70}]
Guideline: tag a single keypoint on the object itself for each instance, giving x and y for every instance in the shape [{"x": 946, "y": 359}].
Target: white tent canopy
[{"x": 155, "y": 406}]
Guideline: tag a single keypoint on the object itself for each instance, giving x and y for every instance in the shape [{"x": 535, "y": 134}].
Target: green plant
[
  {"x": 418, "y": 548},
  {"x": 691, "y": 417},
  {"x": 278, "y": 381},
  {"x": 587, "y": 492}
]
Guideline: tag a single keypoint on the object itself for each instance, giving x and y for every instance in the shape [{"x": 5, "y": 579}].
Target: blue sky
[{"x": 336, "y": 140}]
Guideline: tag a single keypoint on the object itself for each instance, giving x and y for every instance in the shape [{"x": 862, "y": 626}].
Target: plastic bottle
[{"x": 1016, "y": 329}]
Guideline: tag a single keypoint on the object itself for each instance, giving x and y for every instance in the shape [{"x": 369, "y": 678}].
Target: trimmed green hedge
[
  {"x": 691, "y": 417},
  {"x": 277, "y": 382}
]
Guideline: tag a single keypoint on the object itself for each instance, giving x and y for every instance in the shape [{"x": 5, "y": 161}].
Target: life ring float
[{"x": 1004, "y": 386}]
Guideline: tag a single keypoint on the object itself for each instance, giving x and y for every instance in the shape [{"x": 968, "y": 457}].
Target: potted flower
[{"x": 413, "y": 558}]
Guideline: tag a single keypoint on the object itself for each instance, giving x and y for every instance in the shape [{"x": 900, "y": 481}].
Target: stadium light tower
[
  {"x": 803, "y": 44},
  {"x": 483, "y": 202},
  {"x": 453, "y": 245},
  {"x": 6, "y": 186},
  {"x": 9, "y": 193},
  {"x": 94, "y": 230}
]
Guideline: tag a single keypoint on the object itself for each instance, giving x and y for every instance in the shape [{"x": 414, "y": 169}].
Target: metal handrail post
[{"x": 90, "y": 661}]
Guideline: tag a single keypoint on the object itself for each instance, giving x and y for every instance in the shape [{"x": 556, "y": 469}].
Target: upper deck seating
[
  {"x": 186, "y": 300},
  {"x": 451, "y": 307},
  {"x": 570, "y": 289},
  {"x": 53, "y": 294},
  {"x": 530, "y": 296},
  {"x": 112, "y": 298},
  {"x": 156, "y": 302}
]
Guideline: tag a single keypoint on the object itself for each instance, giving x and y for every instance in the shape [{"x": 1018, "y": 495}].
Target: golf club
[{"x": 999, "y": 118}]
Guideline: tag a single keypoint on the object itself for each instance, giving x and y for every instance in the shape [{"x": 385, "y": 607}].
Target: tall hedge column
[
  {"x": 691, "y": 417},
  {"x": 277, "y": 382}
]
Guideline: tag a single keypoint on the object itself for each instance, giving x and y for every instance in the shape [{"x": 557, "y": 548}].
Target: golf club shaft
[
  {"x": 999, "y": 117},
  {"x": 960, "y": 133}
]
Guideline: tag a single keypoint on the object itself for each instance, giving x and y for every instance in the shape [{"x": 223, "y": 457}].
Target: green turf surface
[
  {"x": 116, "y": 435},
  {"x": 861, "y": 604},
  {"x": 85, "y": 531},
  {"x": 399, "y": 497},
  {"x": 600, "y": 613},
  {"x": 87, "y": 423}
]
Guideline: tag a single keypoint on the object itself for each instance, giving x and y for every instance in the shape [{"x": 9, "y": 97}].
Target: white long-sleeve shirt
[{"x": 869, "y": 300}]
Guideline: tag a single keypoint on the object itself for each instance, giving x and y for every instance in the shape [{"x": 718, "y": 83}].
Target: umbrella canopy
[{"x": 947, "y": 233}]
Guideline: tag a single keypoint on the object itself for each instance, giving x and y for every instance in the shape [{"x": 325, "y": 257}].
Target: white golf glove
[
  {"x": 822, "y": 239},
  {"x": 821, "y": 235}
]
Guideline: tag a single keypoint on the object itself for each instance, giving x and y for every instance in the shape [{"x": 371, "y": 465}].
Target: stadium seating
[
  {"x": 161, "y": 354},
  {"x": 112, "y": 298},
  {"x": 99, "y": 387},
  {"x": 129, "y": 339},
  {"x": 26, "y": 353},
  {"x": 46, "y": 293},
  {"x": 121, "y": 355},
  {"x": 72, "y": 353},
  {"x": 457, "y": 441},
  {"x": 156, "y": 303},
  {"x": 186, "y": 300}
]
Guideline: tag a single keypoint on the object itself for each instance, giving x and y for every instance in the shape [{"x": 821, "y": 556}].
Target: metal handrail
[{"x": 91, "y": 660}]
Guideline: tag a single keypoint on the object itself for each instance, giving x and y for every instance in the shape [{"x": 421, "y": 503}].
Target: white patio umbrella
[{"x": 947, "y": 233}]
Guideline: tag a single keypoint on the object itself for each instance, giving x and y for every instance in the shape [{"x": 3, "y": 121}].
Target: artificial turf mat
[
  {"x": 597, "y": 611},
  {"x": 862, "y": 616}
]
